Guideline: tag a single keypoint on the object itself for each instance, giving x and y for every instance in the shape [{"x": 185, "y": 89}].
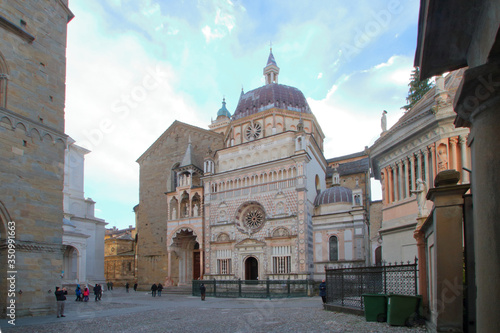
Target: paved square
[{"x": 139, "y": 312}]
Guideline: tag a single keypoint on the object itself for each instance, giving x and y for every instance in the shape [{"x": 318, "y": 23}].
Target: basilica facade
[{"x": 252, "y": 197}]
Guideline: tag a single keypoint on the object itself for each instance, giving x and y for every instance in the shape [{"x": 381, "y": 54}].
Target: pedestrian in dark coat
[
  {"x": 160, "y": 288},
  {"x": 61, "y": 298},
  {"x": 203, "y": 289},
  {"x": 127, "y": 286},
  {"x": 135, "y": 286},
  {"x": 97, "y": 292},
  {"x": 154, "y": 288},
  {"x": 322, "y": 291}
]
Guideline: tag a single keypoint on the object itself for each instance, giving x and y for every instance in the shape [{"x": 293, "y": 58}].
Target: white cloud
[
  {"x": 211, "y": 34},
  {"x": 226, "y": 20},
  {"x": 320, "y": 75}
]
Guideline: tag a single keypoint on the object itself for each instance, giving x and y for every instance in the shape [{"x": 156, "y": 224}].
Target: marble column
[
  {"x": 453, "y": 152},
  {"x": 425, "y": 151},
  {"x": 478, "y": 106},
  {"x": 465, "y": 163},
  {"x": 407, "y": 189},
  {"x": 385, "y": 188},
  {"x": 419, "y": 165},
  {"x": 412, "y": 169},
  {"x": 432, "y": 149},
  {"x": 400, "y": 180},
  {"x": 391, "y": 184}
]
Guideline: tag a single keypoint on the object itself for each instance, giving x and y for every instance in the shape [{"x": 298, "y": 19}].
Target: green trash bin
[
  {"x": 401, "y": 308},
  {"x": 375, "y": 307}
]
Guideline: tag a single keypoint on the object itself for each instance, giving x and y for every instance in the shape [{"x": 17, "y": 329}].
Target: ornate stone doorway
[
  {"x": 251, "y": 268},
  {"x": 185, "y": 258}
]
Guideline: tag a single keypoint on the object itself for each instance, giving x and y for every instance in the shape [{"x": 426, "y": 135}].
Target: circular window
[
  {"x": 254, "y": 218},
  {"x": 253, "y": 131}
]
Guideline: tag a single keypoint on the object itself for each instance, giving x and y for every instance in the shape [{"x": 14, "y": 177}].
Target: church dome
[
  {"x": 272, "y": 95},
  {"x": 334, "y": 194},
  {"x": 223, "y": 111}
]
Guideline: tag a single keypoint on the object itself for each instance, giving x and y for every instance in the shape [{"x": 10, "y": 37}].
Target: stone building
[
  {"x": 83, "y": 234},
  {"x": 341, "y": 215},
  {"x": 421, "y": 144},
  {"x": 119, "y": 256},
  {"x": 32, "y": 145},
  {"x": 462, "y": 34},
  {"x": 248, "y": 198}
]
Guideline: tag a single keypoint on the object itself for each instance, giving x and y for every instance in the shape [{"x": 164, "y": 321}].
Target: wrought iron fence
[
  {"x": 252, "y": 288},
  {"x": 345, "y": 286}
]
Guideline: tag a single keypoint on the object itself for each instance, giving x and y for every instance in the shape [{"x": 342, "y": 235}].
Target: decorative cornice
[
  {"x": 31, "y": 126},
  {"x": 27, "y": 246}
]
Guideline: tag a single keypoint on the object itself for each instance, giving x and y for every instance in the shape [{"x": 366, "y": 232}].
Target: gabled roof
[{"x": 170, "y": 129}]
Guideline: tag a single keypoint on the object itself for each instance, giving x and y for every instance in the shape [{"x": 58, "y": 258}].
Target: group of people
[
  {"x": 156, "y": 289},
  {"x": 83, "y": 295}
]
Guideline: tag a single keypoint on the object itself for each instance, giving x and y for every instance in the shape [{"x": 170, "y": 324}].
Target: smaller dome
[
  {"x": 334, "y": 194},
  {"x": 223, "y": 111}
]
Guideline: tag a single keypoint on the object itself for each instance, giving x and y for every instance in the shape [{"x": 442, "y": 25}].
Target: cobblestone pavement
[{"x": 139, "y": 312}]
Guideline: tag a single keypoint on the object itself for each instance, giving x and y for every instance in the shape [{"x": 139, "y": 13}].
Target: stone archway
[
  {"x": 185, "y": 258},
  {"x": 70, "y": 265},
  {"x": 251, "y": 268}
]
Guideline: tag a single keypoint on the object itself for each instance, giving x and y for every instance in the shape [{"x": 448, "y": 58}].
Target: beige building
[
  {"x": 119, "y": 256},
  {"x": 251, "y": 198},
  {"x": 420, "y": 145},
  {"x": 32, "y": 145}
]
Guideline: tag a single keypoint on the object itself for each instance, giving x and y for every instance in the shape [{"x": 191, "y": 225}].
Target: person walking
[
  {"x": 100, "y": 291},
  {"x": 154, "y": 288},
  {"x": 78, "y": 293},
  {"x": 109, "y": 286},
  {"x": 86, "y": 294},
  {"x": 160, "y": 288},
  {"x": 61, "y": 298},
  {"x": 96, "y": 292},
  {"x": 203, "y": 289},
  {"x": 135, "y": 286},
  {"x": 322, "y": 291},
  {"x": 127, "y": 286}
]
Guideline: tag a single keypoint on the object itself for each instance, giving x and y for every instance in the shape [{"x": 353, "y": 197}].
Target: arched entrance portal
[
  {"x": 70, "y": 265},
  {"x": 185, "y": 258},
  {"x": 251, "y": 268}
]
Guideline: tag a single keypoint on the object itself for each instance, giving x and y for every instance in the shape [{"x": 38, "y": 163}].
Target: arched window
[
  {"x": 318, "y": 185},
  {"x": 4, "y": 75},
  {"x": 334, "y": 248},
  {"x": 173, "y": 177}
]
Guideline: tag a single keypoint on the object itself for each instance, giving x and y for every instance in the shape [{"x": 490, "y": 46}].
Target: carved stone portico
[{"x": 184, "y": 257}]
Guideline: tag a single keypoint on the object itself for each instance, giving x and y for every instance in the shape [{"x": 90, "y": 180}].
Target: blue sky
[{"x": 135, "y": 66}]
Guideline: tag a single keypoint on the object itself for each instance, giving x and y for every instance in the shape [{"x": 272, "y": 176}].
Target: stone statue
[
  {"x": 174, "y": 213},
  {"x": 195, "y": 210},
  {"x": 421, "y": 193},
  {"x": 383, "y": 121}
]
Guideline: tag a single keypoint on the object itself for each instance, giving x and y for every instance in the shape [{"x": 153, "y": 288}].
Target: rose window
[
  {"x": 253, "y": 131},
  {"x": 254, "y": 218}
]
